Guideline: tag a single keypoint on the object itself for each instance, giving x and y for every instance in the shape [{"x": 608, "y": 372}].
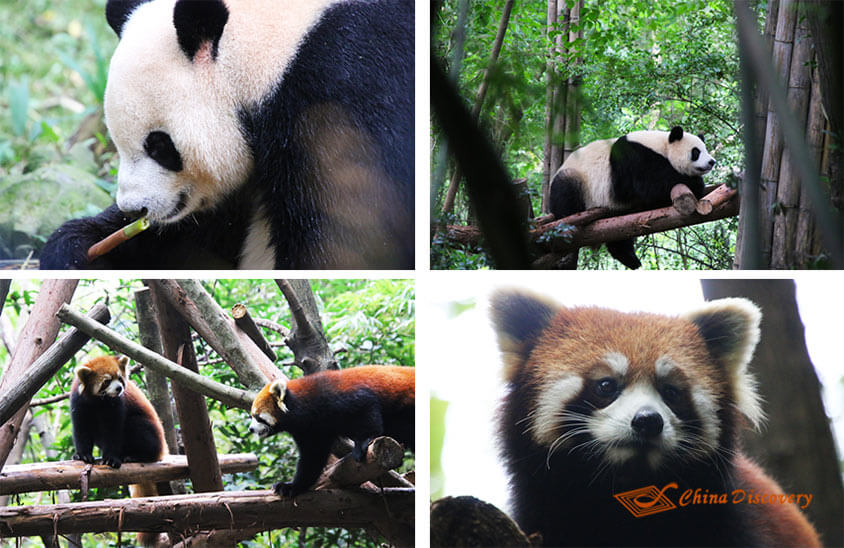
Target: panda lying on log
[
  {"x": 637, "y": 170},
  {"x": 257, "y": 134}
]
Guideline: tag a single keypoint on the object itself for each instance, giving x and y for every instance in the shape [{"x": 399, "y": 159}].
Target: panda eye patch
[
  {"x": 160, "y": 148},
  {"x": 695, "y": 154}
]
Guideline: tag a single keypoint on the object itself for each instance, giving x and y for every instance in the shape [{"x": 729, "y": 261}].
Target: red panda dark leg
[
  {"x": 371, "y": 425},
  {"x": 313, "y": 454},
  {"x": 113, "y": 431}
]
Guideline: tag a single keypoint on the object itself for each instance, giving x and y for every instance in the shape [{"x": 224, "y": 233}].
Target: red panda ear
[
  {"x": 122, "y": 362},
  {"x": 84, "y": 374},
  {"x": 278, "y": 388},
  {"x": 519, "y": 317},
  {"x": 730, "y": 329}
]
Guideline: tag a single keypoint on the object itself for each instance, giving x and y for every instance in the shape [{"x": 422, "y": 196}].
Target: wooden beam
[
  {"x": 383, "y": 454},
  {"x": 157, "y": 386},
  {"x": 244, "y": 321},
  {"x": 259, "y": 510},
  {"x": 51, "y": 476},
  {"x": 194, "y": 422}
]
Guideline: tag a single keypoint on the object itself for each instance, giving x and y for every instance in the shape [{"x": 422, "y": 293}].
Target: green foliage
[
  {"x": 52, "y": 78},
  {"x": 641, "y": 64},
  {"x": 366, "y": 321}
]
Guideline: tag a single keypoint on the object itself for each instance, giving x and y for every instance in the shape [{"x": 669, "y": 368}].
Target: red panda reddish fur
[
  {"x": 123, "y": 425},
  {"x": 361, "y": 403}
]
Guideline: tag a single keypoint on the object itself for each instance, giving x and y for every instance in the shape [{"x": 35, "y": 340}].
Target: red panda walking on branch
[
  {"x": 108, "y": 410},
  {"x": 361, "y": 403},
  {"x": 601, "y": 402}
]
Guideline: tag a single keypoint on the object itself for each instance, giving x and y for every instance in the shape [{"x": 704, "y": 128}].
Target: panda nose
[
  {"x": 711, "y": 162},
  {"x": 647, "y": 422}
]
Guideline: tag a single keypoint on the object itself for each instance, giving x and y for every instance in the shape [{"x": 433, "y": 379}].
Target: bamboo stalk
[{"x": 117, "y": 237}]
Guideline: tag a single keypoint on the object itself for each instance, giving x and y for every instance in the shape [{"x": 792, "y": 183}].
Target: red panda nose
[{"x": 647, "y": 423}]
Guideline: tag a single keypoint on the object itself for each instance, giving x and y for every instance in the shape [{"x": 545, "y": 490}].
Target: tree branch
[
  {"x": 244, "y": 321},
  {"x": 180, "y": 514},
  {"x": 590, "y": 229},
  {"x": 307, "y": 339},
  {"x": 228, "y": 395},
  {"x": 50, "y": 476},
  {"x": 197, "y": 307}
]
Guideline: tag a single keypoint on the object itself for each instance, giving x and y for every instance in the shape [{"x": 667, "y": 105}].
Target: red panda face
[
  {"x": 629, "y": 389},
  {"x": 103, "y": 377},
  {"x": 268, "y": 409}
]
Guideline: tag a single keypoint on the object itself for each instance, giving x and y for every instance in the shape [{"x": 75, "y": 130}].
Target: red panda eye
[
  {"x": 606, "y": 387},
  {"x": 670, "y": 393}
]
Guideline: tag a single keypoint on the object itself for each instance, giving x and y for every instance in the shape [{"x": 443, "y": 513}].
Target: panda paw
[
  {"x": 67, "y": 247},
  {"x": 87, "y": 458},
  {"x": 287, "y": 490},
  {"x": 112, "y": 461}
]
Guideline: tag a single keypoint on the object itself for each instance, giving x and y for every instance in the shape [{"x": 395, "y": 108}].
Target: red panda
[
  {"x": 361, "y": 403},
  {"x": 108, "y": 410},
  {"x": 601, "y": 402}
]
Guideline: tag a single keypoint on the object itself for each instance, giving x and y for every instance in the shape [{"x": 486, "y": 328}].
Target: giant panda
[
  {"x": 636, "y": 170},
  {"x": 257, "y": 134}
]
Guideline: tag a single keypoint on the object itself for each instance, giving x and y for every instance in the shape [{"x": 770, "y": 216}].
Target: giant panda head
[
  {"x": 169, "y": 110},
  {"x": 180, "y": 78},
  {"x": 687, "y": 153}
]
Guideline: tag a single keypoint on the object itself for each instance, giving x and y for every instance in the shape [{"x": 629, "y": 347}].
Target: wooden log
[
  {"x": 195, "y": 424},
  {"x": 383, "y": 454},
  {"x": 40, "y": 331},
  {"x": 228, "y": 395},
  {"x": 47, "y": 364},
  {"x": 244, "y": 321},
  {"x": 177, "y": 514},
  {"x": 157, "y": 387},
  {"x": 593, "y": 224},
  {"x": 682, "y": 199},
  {"x": 51, "y": 476},
  {"x": 217, "y": 329}
]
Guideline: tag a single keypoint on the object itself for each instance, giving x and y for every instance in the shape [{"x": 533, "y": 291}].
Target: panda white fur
[
  {"x": 636, "y": 170},
  {"x": 257, "y": 134}
]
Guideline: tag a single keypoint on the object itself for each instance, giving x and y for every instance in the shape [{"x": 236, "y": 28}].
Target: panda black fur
[
  {"x": 257, "y": 134},
  {"x": 636, "y": 170}
]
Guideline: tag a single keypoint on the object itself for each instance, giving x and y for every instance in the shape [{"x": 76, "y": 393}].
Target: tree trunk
[
  {"x": 307, "y": 338},
  {"x": 194, "y": 422},
  {"x": 796, "y": 446},
  {"x": 157, "y": 386},
  {"x": 37, "y": 335}
]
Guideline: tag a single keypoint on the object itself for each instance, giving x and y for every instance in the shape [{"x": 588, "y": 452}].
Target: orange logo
[{"x": 646, "y": 501}]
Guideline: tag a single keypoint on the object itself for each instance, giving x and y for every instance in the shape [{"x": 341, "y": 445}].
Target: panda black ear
[
  {"x": 700, "y": 136},
  {"x": 197, "y": 22},
  {"x": 676, "y": 134},
  {"x": 118, "y": 12}
]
